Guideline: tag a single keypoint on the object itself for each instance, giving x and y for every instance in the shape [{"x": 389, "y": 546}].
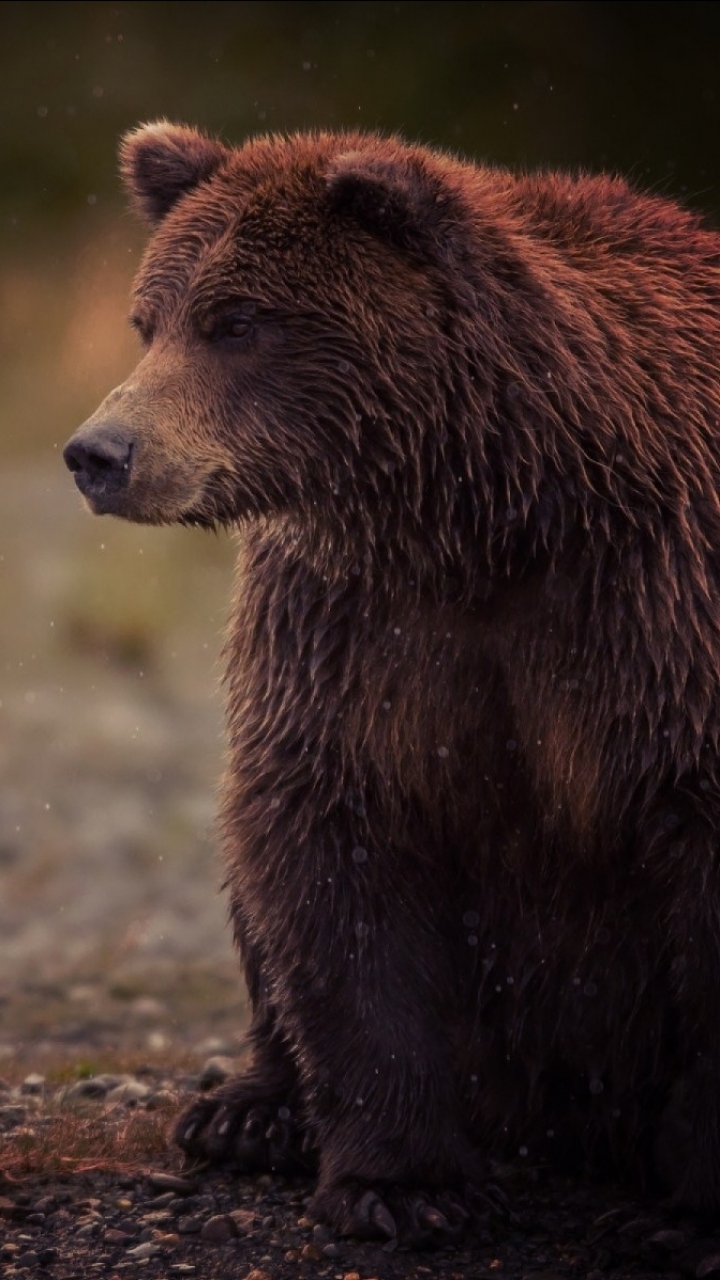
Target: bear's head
[{"x": 299, "y": 336}]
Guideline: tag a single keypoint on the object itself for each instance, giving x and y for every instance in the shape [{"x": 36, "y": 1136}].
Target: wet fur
[{"x": 475, "y": 454}]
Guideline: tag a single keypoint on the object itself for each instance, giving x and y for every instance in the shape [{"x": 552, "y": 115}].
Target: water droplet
[
  {"x": 359, "y": 854},
  {"x": 471, "y": 919}
]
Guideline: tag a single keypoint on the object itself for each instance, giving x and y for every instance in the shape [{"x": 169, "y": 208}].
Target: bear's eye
[
  {"x": 144, "y": 328},
  {"x": 233, "y": 327}
]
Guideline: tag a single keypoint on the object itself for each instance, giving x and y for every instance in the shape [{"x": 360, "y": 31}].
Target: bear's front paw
[
  {"x": 423, "y": 1218},
  {"x": 236, "y": 1125}
]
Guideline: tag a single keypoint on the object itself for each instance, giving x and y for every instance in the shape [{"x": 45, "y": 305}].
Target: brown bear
[{"x": 468, "y": 425}]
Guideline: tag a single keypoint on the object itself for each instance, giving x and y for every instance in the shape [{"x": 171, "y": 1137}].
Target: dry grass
[{"x": 107, "y": 1140}]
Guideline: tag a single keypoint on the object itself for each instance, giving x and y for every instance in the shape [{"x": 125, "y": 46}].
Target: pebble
[
  {"x": 148, "y": 1249},
  {"x": 216, "y": 1071},
  {"x": 116, "y": 1235},
  {"x": 171, "y": 1182},
  {"x": 94, "y": 1087},
  {"x": 219, "y": 1229},
  {"x": 130, "y": 1092},
  {"x": 33, "y": 1084},
  {"x": 244, "y": 1220},
  {"x": 189, "y": 1226}
]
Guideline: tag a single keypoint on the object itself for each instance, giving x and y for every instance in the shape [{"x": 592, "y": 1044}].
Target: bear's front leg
[
  {"x": 254, "y": 1121},
  {"x": 353, "y": 930}
]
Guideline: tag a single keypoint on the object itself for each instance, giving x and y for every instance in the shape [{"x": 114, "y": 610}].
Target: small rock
[
  {"x": 260, "y": 1275},
  {"x": 321, "y": 1234},
  {"x": 88, "y": 1230},
  {"x": 244, "y": 1220},
  {"x": 33, "y": 1084},
  {"x": 160, "y": 1098},
  {"x": 165, "y": 1200},
  {"x": 219, "y": 1229},
  {"x": 310, "y": 1253},
  {"x": 28, "y": 1259},
  {"x": 45, "y": 1204},
  {"x": 189, "y": 1226},
  {"x": 216, "y": 1070},
  {"x": 330, "y": 1250},
  {"x": 170, "y": 1182},
  {"x": 94, "y": 1087},
  {"x": 148, "y": 1249},
  {"x": 47, "y": 1256},
  {"x": 130, "y": 1093},
  {"x": 156, "y": 1217},
  {"x": 168, "y": 1239},
  {"x": 128, "y": 1225},
  {"x": 203, "y": 1204},
  {"x": 115, "y": 1235}
]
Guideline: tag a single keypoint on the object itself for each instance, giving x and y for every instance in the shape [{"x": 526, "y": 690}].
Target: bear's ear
[
  {"x": 396, "y": 199},
  {"x": 160, "y": 162}
]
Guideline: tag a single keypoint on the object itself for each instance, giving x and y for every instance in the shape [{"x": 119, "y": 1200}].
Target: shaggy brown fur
[{"x": 468, "y": 423}]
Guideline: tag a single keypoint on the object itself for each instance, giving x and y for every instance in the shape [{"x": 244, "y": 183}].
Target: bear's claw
[
  {"x": 233, "y": 1127},
  {"x": 421, "y": 1219}
]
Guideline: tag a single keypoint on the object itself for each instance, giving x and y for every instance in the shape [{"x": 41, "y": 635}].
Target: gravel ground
[
  {"x": 164, "y": 1221},
  {"x": 117, "y": 977}
]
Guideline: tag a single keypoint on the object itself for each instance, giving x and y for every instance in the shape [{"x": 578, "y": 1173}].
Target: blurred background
[{"x": 110, "y": 717}]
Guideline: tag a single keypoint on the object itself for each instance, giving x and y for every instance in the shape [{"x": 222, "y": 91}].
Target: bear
[{"x": 466, "y": 423}]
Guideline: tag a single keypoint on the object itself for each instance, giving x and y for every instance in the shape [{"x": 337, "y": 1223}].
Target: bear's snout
[{"x": 100, "y": 458}]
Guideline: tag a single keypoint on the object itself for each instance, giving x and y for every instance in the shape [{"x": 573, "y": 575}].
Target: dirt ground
[{"x": 116, "y": 962}]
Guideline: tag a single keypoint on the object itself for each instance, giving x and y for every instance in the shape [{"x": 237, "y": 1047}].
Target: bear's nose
[{"x": 99, "y": 456}]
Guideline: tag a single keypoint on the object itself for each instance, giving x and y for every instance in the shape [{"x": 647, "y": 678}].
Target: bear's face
[{"x": 292, "y": 318}]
